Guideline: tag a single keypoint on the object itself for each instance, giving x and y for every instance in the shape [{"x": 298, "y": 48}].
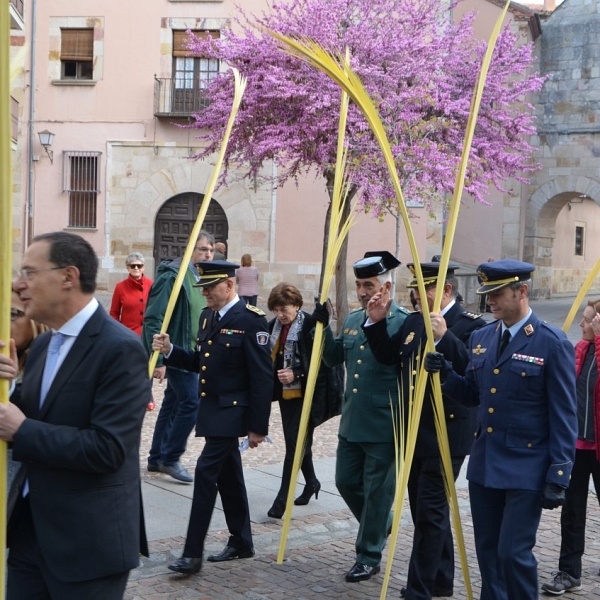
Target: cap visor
[{"x": 491, "y": 287}]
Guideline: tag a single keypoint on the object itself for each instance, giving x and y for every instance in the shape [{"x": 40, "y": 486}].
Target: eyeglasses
[
  {"x": 27, "y": 273},
  {"x": 205, "y": 249},
  {"x": 136, "y": 266},
  {"x": 15, "y": 314}
]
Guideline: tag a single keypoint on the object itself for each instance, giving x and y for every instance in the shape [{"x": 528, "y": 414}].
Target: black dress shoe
[
  {"x": 276, "y": 511},
  {"x": 436, "y": 593},
  {"x": 187, "y": 566},
  {"x": 176, "y": 471},
  {"x": 360, "y": 572},
  {"x": 230, "y": 553},
  {"x": 309, "y": 489},
  {"x": 153, "y": 467}
]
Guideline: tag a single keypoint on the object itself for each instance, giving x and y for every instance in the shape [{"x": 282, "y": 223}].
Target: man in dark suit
[
  {"x": 77, "y": 526},
  {"x": 236, "y": 390},
  {"x": 431, "y": 567},
  {"x": 522, "y": 376}
]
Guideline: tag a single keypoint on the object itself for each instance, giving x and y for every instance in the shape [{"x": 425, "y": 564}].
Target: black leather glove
[
  {"x": 436, "y": 363},
  {"x": 321, "y": 314},
  {"x": 553, "y": 497}
]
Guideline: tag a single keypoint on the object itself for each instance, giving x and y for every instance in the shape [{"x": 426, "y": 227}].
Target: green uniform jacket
[{"x": 370, "y": 386}]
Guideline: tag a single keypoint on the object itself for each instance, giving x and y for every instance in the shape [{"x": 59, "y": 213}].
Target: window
[
  {"x": 80, "y": 179},
  {"x": 77, "y": 54},
  {"x": 579, "y": 240},
  {"x": 191, "y": 73},
  {"x": 14, "y": 119}
]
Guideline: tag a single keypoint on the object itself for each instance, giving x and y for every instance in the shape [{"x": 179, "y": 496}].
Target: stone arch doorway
[
  {"x": 175, "y": 220},
  {"x": 543, "y": 227}
]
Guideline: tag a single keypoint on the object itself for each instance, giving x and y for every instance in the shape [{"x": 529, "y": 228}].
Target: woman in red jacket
[
  {"x": 587, "y": 455},
  {"x": 130, "y": 297}
]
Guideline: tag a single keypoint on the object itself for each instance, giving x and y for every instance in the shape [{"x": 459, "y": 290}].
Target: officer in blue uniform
[
  {"x": 236, "y": 388},
  {"x": 364, "y": 470},
  {"x": 431, "y": 567},
  {"x": 522, "y": 375}
]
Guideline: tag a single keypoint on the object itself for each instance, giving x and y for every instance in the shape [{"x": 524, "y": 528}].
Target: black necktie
[
  {"x": 503, "y": 342},
  {"x": 216, "y": 319}
]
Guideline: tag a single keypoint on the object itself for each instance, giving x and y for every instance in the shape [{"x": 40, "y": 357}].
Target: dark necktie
[
  {"x": 503, "y": 342},
  {"x": 216, "y": 319}
]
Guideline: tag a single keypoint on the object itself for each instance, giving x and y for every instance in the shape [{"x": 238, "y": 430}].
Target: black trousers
[
  {"x": 573, "y": 516},
  {"x": 291, "y": 411},
  {"x": 219, "y": 469},
  {"x": 432, "y": 558},
  {"x": 29, "y": 577}
]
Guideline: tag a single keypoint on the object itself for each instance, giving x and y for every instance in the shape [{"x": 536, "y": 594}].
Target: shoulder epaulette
[
  {"x": 256, "y": 310},
  {"x": 472, "y": 315},
  {"x": 559, "y": 333},
  {"x": 404, "y": 310},
  {"x": 355, "y": 310}
]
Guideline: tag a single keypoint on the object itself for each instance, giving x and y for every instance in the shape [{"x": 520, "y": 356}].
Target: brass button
[
  {"x": 359, "y": 361},
  {"x": 414, "y": 372},
  {"x": 451, "y": 416},
  {"x": 362, "y": 347},
  {"x": 493, "y": 390},
  {"x": 490, "y": 409},
  {"x": 475, "y": 434},
  {"x": 210, "y": 342},
  {"x": 561, "y": 473},
  {"x": 417, "y": 357},
  {"x": 204, "y": 367},
  {"x": 496, "y": 371},
  {"x": 227, "y": 345},
  {"x": 356, "y": 375},
  {"x": 529, "y": 445},
  {"x": 207, "y": 354},
  {"x": 355, "y": 391},
  {"x": 489, "y": 430},
  {"x": 235, "y": 402},
  {"x": 523, "y": 374},
  {"x": 203, "y": 394},
  {"x": 203, "y": 381}
]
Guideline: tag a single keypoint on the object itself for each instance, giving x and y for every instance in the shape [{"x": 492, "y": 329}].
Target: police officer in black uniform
[
  {"x": 236, "y": 387},
  {"x": 431, "y": 567}
]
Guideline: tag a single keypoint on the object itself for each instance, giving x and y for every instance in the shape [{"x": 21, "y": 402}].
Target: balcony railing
[{"x": 172, "y": 99}]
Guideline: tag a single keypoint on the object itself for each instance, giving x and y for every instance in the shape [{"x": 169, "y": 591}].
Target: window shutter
[
  {"x": 181, "y": 40},
  {"x": 77, "y": 44}
]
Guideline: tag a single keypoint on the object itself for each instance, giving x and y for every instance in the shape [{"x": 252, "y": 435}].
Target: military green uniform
[{"x": 365, "y": 455}]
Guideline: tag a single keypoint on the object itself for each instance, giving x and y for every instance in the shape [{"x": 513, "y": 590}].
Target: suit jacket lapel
[{"x": 76, "y": 355}]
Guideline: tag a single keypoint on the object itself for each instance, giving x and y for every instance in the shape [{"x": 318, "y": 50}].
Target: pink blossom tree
[{"x": 416, "y": 63}]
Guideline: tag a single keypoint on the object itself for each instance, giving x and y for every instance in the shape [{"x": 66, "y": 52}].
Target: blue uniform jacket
[
  {"x": 527, "y": 419},
  {"x": 236, "y": 372}
]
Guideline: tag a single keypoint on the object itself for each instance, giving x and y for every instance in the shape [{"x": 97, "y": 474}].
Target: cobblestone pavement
[{"x": 320, "y": 546}]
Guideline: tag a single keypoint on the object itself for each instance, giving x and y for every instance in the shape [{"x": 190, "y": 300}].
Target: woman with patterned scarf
[{"x": 291, "y": 346}]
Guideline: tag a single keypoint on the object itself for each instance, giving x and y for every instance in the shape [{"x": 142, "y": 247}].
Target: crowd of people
[{"x": 516, "y": 396}]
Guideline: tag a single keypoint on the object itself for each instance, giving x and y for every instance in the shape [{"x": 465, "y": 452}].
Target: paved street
[{"x": 320, "y": 545}]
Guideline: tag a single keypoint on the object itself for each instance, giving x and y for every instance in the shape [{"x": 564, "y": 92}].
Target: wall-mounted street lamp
[
  {"x": 578, "y": 200},
  {"x": 46, "y": 139}
]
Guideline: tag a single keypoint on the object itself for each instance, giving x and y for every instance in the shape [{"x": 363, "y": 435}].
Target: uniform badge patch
[
  {"x": 262, "y": 337},
  {"x": 528, "y": 329},
  {"x": 409, "y": 338},
  {"x": 479, "y": 349}
]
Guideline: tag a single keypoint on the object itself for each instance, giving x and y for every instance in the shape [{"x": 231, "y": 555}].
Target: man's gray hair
[
  {"x": 205, "y": 235},
  {"x": 517, "y": 285},
  {"x": 133, "y": 257},
  {"x": 384, "y": 278}
]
